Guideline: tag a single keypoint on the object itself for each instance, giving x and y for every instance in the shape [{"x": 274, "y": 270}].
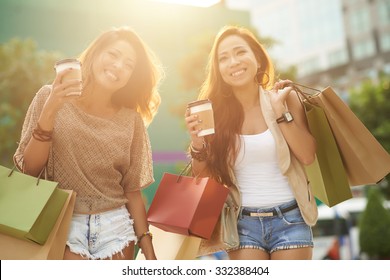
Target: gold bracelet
[
  {"x": 193, "y": 150},
  {"x": 146, "y": 233},
  {"x": 42, "y": 135}
]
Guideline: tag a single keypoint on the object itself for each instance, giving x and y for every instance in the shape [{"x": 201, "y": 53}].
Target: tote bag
[
  {"x": 327, "y": 175},
  {"x": 29, "y": 206},
  {"x": 172, "y": 246},
  {"x": 187, "y": 205},
  {"x": 13, "y": 248}
]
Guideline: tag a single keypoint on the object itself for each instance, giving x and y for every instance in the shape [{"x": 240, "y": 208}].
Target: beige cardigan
[{"x": 290, "y": 167}]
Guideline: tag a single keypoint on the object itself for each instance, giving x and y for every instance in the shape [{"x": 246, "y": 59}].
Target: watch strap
[{"x": 281, "y": 119}]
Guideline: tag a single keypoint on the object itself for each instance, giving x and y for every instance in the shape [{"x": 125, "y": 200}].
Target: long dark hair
[
  {"x": 228, "y": 111},
  {"x": 141, "y": 91}
]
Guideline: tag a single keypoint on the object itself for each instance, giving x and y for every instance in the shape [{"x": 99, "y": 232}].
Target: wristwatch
[{"x": 286, "y": 117}]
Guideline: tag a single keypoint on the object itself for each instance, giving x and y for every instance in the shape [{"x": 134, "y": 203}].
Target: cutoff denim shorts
[
  {"x": 272, "y": 233},
  {"x": 100, "y": 236}
]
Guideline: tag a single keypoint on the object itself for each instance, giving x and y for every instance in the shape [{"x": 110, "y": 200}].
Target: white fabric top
[{"x": 258, "y": 174}]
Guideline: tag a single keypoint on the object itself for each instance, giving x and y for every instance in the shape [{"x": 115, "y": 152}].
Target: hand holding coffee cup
[
  {"x": 70, "y": 69},
  {"x": 204, "y": 110}
]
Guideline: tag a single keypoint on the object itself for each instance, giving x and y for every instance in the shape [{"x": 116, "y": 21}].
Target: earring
[{"x": 259, "y": 76}]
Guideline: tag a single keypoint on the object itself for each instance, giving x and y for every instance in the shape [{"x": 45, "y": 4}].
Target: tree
[
  {"x": 374, "y": 227},
  {"x": 371, "y": 104},
  {"x": 23, "y": 70}
]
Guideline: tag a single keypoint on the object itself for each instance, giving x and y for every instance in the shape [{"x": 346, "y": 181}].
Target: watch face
[{"x": 288, "y": 117}]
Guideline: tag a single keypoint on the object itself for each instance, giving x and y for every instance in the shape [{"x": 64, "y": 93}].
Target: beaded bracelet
[
  {"x": 143, "y": 235},
  {"x": 199, "y": 155},
  {"x": 42, "y": 135}
]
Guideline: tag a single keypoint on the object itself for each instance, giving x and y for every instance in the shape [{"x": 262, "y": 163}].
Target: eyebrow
[{"x": 234, "y": 49}]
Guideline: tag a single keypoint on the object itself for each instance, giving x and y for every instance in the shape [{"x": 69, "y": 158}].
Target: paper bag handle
[
  {"x": 38, "y": 178},
  {"x": 186, "y": 170}
]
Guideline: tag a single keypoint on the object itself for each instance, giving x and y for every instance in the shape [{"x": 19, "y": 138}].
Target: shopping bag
[
  {"x": 327, "y": 175},
  {"x": 364, "y": 158},
  {"x": 13, "y": 248},
  {"x": 187, "y": 205},
  {"x": 172, "y": 246},
  {"x": 29, "y": 207},
  {"x": 229, "y": 225}
]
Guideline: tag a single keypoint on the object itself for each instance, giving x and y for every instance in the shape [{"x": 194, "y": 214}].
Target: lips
[
  {"x": 111, "y": 75},
  {"x": 238, "y": 73}
]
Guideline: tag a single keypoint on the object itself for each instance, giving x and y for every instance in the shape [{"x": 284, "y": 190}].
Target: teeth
[
  {"x": 111, "y": 75},
  {"x": 235, "y": 74}
]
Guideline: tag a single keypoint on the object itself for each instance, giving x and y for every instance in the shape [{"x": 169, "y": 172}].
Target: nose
[
  {"x": 119, "y": 64},
  {"x": 234, "y": 60}
]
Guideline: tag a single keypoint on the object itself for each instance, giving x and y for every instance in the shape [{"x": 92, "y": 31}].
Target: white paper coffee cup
[
  {"x": 204, "y": 110},
  {"x": 74, "y": 74}
]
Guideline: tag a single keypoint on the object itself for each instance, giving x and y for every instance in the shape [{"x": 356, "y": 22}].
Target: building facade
[{"x": 331, "y": 42}]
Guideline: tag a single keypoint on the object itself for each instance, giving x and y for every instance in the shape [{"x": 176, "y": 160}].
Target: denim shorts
[
  {"x": 100, "y": 236},
  {"x": 281, "y": 231}
]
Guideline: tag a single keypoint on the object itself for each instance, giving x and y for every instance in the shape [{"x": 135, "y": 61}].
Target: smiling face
[
  {"x": 236, "y": 62},
  {"x": 114, "y": 65}
]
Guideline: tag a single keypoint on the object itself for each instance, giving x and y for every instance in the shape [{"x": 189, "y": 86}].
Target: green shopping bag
[
  {"x": 327, "y": 175},
  {"x": 29, "y": 207}
]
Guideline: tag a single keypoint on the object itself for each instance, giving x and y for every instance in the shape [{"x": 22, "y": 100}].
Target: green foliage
[
  {"x": 287, "y": 74},
  {"x": 374, "y": 227},
  {"x": 371, "y": 104},
  {"x": 23, "y": 70}
]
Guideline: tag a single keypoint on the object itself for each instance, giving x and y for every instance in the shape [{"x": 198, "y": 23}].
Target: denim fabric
[
  {"x": 100, "y": 236},
  {"x": 283, "y": 231}
]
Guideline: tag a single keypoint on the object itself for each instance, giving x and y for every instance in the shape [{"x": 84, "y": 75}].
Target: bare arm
[
  {"x": 36, "y": 152},
  {"x": 136, "y": 208},
  {"x": 198, "y": 167},
  {"x": 296, "y": 133}
]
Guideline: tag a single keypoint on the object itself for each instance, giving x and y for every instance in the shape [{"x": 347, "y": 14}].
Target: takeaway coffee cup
[
  {"x": 204, "y": 110},
  {"x": 74, "y": 74}
]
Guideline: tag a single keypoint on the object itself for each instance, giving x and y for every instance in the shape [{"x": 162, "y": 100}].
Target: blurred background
[{"x": 340, "y": 43}]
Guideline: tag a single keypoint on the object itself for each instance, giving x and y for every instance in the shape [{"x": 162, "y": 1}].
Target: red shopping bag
[{"x": 187, "y": 205}]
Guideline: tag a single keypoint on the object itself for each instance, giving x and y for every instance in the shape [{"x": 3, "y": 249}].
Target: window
[
  {"x": 363, "y": 49},
  {"x": 360, "y": 21},
  {"x": 384, "y": 42},
  {"x": 384, "y": 12},
  {"x": 330, "y": 227},
  {"x": 309, "y": 66},
  {"x": 338, "y": 57}
]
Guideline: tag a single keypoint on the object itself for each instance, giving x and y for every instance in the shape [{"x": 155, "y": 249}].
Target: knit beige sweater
[{"x": 99, "y": 158}]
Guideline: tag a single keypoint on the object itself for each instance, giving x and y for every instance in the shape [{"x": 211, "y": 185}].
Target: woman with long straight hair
[{"x": 259, "y": 149}]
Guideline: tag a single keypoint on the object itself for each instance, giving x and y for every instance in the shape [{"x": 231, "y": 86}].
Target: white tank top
[{"x": 258, "y": 174}]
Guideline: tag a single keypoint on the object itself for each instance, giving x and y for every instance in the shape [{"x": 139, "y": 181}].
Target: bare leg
[
  {"x": 68, "y": 255},
  {"x": 248, "y": 254},
  {"x": 127, "y": 253},
  {"x": 293, "y": 254}
]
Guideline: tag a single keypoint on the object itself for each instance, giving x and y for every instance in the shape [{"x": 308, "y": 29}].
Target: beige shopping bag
[
  {"x": 364, "y": 158},
  {"x": 13, "y": 248},
  {"x": 172, "y": 246}
]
